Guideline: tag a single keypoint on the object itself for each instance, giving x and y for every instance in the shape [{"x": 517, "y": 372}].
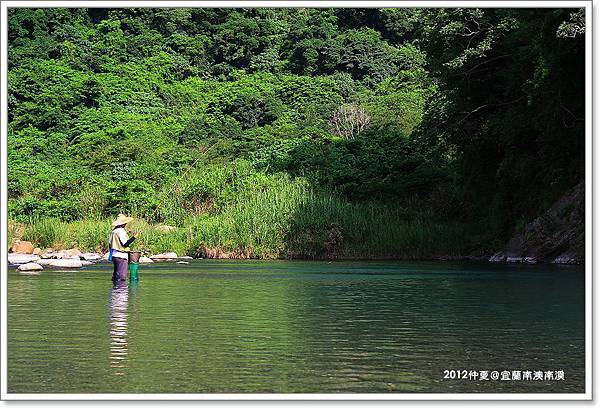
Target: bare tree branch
[{"x": 348, "y": 121}]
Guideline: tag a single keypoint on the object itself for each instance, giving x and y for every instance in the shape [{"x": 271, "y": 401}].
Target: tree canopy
[{"x": 474, "y": 114}]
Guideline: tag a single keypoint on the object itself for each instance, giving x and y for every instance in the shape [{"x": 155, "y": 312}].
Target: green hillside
[{"x": 316, "y": 133}]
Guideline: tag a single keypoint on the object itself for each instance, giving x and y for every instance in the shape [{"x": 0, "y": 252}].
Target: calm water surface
[{"x": 245, "y": 326}]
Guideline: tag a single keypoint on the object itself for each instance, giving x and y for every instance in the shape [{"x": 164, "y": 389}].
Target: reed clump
[{"x": 286, "y": 218}]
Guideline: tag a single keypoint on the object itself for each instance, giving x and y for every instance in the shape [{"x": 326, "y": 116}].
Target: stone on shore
[
  {"x": 182, "y": 262},
  {"x": 498, "y": 257},
  {"x": 45, "y": 261},
  {"x": 63, "y": 254},
  {"x": 145, "y": 260},
  {"x": 185, "y": 258},
  {"x": 17, "y": 259},
  {"x": 71, "y": 252},
  {"x": 30, "y": 266},
  {"x": 66, "y": 263},
  {"x": 86, "y": 263},
  {"x": 48, "y": 254},
  {"x": 22, "y": 247},
  {"x": 166, "y": 256},
  {"x": 90, "y": 256},
  {"x": 37, "y": 251},
  {"x": 566, "y": 259},
  {"x": 556, "y": 236}
]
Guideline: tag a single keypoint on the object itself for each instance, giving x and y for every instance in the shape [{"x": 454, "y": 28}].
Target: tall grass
[
  {"x": 283, "y": 219},
  {"x": 46, "y": 233},
  {"x": 292, "y": 220}
]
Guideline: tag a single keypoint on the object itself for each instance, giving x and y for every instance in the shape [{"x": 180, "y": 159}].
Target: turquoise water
[{"x": 279, "y": 326}]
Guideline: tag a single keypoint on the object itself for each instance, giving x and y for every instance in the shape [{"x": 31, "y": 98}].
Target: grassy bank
[{"x": 288, "y": 219}]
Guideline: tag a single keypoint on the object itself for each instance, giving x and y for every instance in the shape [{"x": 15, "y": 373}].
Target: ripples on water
[{"x": 220, "y": 326}]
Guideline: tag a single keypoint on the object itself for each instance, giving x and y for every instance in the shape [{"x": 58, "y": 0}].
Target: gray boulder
[
  {"x": 498, "y": 257},
  {"x": 90, "y": 256},
  {"x": 166, "y": 256},
  {"x": 557, "y": 235},
  {"x": 30, "y": 273},
  {"x": 566, "y": 259},
  {"x": 31, "y": 266},
  {"x": 17, "y": 259},
  {"x": 66, "y": 263}
]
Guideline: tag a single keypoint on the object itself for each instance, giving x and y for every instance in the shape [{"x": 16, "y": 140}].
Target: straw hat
[{"x": 121, "y": 220}]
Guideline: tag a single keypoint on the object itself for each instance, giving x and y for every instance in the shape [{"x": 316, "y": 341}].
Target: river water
[{"x": 286, "y": 327}]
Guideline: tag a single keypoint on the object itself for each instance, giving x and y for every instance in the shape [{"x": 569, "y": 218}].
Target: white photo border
[{"x": 590, "y": 197}]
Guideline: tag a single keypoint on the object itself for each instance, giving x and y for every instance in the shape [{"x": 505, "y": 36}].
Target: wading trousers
[{"x": 120, "y": 269}]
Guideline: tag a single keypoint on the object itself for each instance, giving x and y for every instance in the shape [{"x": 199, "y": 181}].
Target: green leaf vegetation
[{"x": 274, "y": 133}]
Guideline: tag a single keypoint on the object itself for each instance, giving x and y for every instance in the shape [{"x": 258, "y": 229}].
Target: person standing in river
[{"x": 118, "y": 244}]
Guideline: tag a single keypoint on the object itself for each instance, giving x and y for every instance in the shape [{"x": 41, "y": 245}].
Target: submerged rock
[
  {"x": 31, "y": 266},
  {"x": 66, "y": 263},
  {"x": 183, "y": 262},
  {"x": 29, "y": 272},
  {"x": 17, "y": 259}
]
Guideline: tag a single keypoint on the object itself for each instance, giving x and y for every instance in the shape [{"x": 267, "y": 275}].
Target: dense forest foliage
[{"x": 297, "y": 132}]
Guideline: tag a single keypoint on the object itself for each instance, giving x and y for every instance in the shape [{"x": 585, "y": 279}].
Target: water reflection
[{"x": 119, "y": 299}]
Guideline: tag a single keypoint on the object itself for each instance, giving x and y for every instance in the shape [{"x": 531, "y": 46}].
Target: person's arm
[
  {"x": 125, "y": 240},
  {"x": 129, "y": 241}
]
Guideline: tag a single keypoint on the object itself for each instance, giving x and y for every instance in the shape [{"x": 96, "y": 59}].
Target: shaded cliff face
[{"x": 557, "y": 236}]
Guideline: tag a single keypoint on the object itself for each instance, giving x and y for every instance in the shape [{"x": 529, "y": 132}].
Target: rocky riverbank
[
  {"x": 557, "y": 236},
  {"x": 27, "y": 259}
]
